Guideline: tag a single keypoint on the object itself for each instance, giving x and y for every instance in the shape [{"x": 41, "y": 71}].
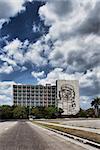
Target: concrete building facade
[
  {"x": 68, "y": 96},
  {"x": 34, "y": 95},
  {"x": 65, "y": 95}
]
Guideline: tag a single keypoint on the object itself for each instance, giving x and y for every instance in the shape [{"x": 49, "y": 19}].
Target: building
[
  {"x": 68, "y": 96},
  {"x": 34, "y": 95},
  {"x": 65, "y": 95}
]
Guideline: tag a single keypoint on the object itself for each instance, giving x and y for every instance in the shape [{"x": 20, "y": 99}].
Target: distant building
[
  {"x": 65, "y": 95},
  {"x": 34, "y": 95}
]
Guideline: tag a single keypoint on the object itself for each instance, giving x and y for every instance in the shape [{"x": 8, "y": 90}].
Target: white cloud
[
  {"x": 12, "y": 56},
  {"x": 36, "y": 28},
  {"x": 85, "y": 102},
  {"x": 16, "y": 56},
  {"x": 13, "y": 49},
  {"x": 5, "y": 68},
  {"x": 56, "y": 74},
  {"x": 6, "y": 93},
  {"x": 63, "y": 16},
  {"x": 38, "y": 75},
  {"x": 2, "y": 21},
  {"x": 71, "y": 49},
  {"x": 4, "y": 58},
  {"x": 23, "y": 68},
  {"x": 10, "y": 8},
  {"x": 34, "y": 54}
]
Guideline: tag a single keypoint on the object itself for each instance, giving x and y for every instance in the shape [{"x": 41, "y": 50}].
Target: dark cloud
[
  {"x": 62, "y": 7},
  {"x": 3, "y": 9},
  {"x": 82, "y": 60},
  {"x": 58, "y": 56},
  {"x": 92, "y": 90},
  {"x": 92, "y": 23}
]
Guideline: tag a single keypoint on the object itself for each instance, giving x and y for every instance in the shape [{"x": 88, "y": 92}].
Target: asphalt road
[{"x": 25, "y": 136}]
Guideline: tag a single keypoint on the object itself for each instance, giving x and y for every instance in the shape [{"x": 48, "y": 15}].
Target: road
[{"x": 25, "y": 136}]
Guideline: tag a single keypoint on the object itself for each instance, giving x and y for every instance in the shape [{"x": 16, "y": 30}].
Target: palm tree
[{"x": 96, "y": 103}]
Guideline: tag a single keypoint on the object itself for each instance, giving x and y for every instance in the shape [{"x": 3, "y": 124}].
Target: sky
[{"x": 42, "y": 41}]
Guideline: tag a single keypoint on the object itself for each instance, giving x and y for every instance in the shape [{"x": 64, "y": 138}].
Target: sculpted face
[{"x": 67, "y": 94}]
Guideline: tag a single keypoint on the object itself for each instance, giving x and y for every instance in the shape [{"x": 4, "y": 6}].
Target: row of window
[
  {"x": 35, "y": 95},
  {"x": 36, "y": 103},
  {"x": 35, "y": 99},
  {"x": 35, "y": 91},
  {"x": 34, "y": 87}
]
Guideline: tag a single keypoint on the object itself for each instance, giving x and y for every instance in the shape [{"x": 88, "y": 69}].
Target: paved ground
[
  {"x": 25, "y": 136},
  {"x": 4, "y": 126},
  {"x": 88, "y": 123},
  {"x": 84, "y": 123}
]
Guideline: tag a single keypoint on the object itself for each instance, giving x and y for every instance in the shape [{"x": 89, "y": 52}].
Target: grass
[
  {"x": 55, "y": 122},
  {"x": 80, "y": 133}
]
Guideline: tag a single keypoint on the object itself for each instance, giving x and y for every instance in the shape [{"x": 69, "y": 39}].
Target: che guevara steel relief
[{"x": 68, "y": 96}]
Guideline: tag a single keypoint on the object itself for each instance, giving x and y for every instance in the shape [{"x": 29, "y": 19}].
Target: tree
[
  {"x": 45, "y": 112},
  {"x": 6, "y": 112},
  {"x": 81, "y": 113},
  {"x": 50, "y": 112},
  {"x": 90, "y": 112},
  {"x": 95, "y": 103},
  {"x": 20, "y": 112},
  {"x": 36, "y": 112}
]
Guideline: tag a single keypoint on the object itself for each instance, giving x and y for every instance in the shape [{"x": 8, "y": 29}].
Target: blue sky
[{"x": 41, "y": 41}]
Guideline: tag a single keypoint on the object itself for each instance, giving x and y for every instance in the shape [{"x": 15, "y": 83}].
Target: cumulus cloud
[
  {"x": 85, "y": 102},
  {"x": 10, "y": 9},
  {"x": 2, "y": 21},
  {"x": 5, "y": 68},
  {"x": 13, "y": 54},
  {"x": 63, "y": 16},
  {"x": 92, "y": 22},
  {"x": 34, "y": 54},
  {"x": 54, "y": 75},
  {"x": 38, "y": 75},
  {"x": 4, "y": 58},
  {"x": 6, "y": 93},
  {"x": 13, "y": 7},
  {"x": 13, "y": 49},
  {"x": 90, "y": 83},
  {"x": 23, "y": 68},
  {"x": 16, "y": 53},
  {"x": 71, "y": 48},
  {"x": 76, "y": 47}
]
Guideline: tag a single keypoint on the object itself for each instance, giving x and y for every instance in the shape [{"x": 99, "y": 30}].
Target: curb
[{"x": 82, "y": 140}]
